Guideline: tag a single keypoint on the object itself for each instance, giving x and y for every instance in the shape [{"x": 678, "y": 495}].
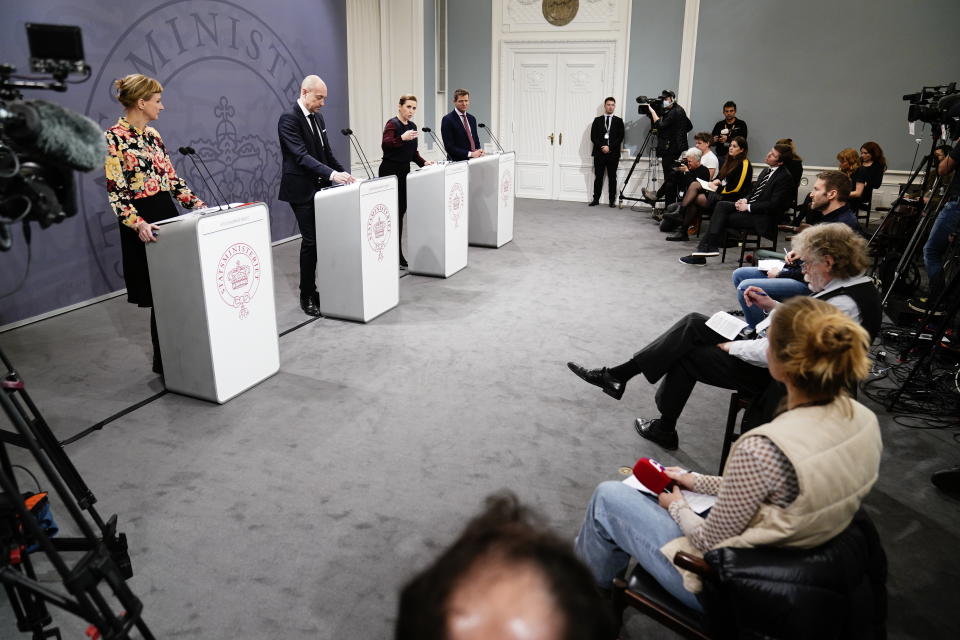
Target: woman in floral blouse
[{"x": 142, "y": 186}]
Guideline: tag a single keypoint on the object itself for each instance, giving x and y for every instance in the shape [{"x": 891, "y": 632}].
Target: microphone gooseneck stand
[
  {"x": 367, "y": 167},
  {"x": 492, "y": 137},
  {"x": 436, "y": 141},
  {"x": 190, "y": 153}
]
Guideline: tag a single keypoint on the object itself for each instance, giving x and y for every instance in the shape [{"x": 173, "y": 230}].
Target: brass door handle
[
  {"x": 561, "y": 138},
  {"x": 551, "y": 139}
]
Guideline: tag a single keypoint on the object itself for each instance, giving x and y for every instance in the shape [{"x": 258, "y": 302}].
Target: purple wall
[{"x": 228, "y": 72}]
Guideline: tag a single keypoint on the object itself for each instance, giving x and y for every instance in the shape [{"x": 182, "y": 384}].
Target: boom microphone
[
  {"x": 57, "y": 133},
  {"x": 435, "y": 140},
  {"x": 650, "y": 474}
]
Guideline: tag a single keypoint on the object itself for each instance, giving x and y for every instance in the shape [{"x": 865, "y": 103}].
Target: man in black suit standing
[
  {"x": 772, "y": 193},
  {"x": 308, "y": 165},
  {"x": 459, "y": 129},
  {"x": 606, "y": 134}
]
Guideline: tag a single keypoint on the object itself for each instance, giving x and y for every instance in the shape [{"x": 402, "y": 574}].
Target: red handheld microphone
[{"x": 650, "y": 474}]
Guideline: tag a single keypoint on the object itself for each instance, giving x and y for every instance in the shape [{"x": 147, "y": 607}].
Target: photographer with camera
[
  {"x": 142, "y": 187},
  {"x": 672, "y": 125},
  {"x": 727, "y": 129},
  {"x": 688, "y": 170}
]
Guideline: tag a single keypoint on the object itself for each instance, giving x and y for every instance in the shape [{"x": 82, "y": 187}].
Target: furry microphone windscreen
[{"x": 68, "y": 137}]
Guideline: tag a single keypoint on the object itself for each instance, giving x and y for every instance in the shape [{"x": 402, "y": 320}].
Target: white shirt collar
[
  {"x": 303, "y": 108},
  {"x": 460, "y": 113}
]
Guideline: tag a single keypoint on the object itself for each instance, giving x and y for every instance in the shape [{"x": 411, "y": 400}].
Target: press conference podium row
[{"x": 212, "y": 271}]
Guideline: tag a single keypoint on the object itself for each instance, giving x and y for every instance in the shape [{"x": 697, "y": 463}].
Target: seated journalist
[
  {"x": 828, "y": 199},
  {"x": 834, "y": 260},
  {"x": 771, "y": 195},
  {"x": 795, "y": 482}
]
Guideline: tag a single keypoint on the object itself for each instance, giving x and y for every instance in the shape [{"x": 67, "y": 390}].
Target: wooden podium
[{"x": 212, "y": 279}]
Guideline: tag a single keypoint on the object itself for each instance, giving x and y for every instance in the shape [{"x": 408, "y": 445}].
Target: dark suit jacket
[
  {"x": 616, "y": 136},
  {"x": 454, "y": 136},
  {"x": 306, "y": 165},
  {"x": 776, "y": 196}
]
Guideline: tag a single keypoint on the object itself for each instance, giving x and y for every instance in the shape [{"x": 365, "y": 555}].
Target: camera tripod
[
  {"x": 924, "y": 220},
  {"x": 950, "y": 296},
  {"x": 105, "y": 556},
  {"x": 649, "y": 147}
]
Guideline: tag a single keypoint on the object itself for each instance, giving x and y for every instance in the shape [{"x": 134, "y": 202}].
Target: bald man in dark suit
[{"x": 308, "y": 165}]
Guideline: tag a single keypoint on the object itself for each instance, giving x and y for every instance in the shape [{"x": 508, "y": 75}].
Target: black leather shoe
[
  {"x": 612, "y": 205},
  {"x": 593, "y": 203},
  {"x": 601, "y": 378},
  {"x": 310, "y": 305},
  {"x": 678, "y": 236},
  {"x": 653, "y": 430}
]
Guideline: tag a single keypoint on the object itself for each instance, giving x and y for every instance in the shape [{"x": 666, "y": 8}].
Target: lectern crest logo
[
  {"x": 378, "y": 229},
  {"x": 506, "y": 187},
  {"x": 455, "y": 202},
  {"x": 238, "y": 276}
]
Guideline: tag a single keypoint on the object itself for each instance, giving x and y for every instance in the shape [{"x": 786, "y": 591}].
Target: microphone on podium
[
  {"x": 191, "y": 153},
  {"x": 356, "y": 145},
  {"x": 650, "y": 474},
  {"x": 492, "y": 137},
  {"x": 435, "y": 140}
]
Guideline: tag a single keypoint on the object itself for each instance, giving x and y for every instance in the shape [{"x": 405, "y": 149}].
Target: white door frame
[{"x": 506, "y": 69}]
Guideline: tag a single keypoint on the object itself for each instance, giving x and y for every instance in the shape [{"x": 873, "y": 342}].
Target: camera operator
[
  {"x": 142, "y": 187},
  {"x": 727, "y": 129},
  {"x": 671, "y": 141},
  {"x": 944, "y": 227}
]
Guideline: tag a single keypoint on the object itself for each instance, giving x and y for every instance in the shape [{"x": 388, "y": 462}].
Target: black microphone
[
  {"x": 492, "y": 137},
  {"x": 190, "y": 152},
  {"x": 356, "y": 145},
  {"x": 55, "y": 132},
  {"x": 435, "y": 140}
]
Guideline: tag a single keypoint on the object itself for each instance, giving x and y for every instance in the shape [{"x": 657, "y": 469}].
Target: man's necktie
[
  {"x": 315, "y": 128},
  {"x": 466, "y": 125},
  {"x": 760, "y": 185},
  {"x": 608, "y": 124}
]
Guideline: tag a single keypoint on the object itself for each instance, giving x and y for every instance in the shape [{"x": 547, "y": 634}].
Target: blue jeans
[
  {"x": 777, "y": 288},
  {"x": 944, "y": 226},
  {"x": 620, "y": 523}
]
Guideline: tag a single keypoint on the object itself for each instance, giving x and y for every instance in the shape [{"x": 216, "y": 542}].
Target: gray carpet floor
[{"x": 298, "y": 509}]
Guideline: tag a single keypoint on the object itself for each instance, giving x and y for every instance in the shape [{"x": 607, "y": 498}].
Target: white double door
[{"x": 552, "y": 97}]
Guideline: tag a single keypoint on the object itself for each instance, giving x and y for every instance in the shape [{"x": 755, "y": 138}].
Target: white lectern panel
[
  {"x": 357, "y": 249},
  {"x": 212, "y": 281},
  {"x": 491, "y": 199},
  {"x": 437, "y": 219}
]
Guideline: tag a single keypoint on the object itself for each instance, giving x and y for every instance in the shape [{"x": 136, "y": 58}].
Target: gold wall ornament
[{"x": 560, "y": 12}]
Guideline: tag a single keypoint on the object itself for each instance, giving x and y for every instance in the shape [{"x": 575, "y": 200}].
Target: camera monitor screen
[{"x": 53, "y": 45}]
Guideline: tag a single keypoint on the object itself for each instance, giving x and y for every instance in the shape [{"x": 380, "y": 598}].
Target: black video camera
[
  {"x": 643, "y": 102},
  {"x": 36, "y": 159},
  {"x": 932, "y": 104}
]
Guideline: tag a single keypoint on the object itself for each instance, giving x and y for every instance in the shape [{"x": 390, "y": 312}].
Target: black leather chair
[{"x": 836, "y": 590}]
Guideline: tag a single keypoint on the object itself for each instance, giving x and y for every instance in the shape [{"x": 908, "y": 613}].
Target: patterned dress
[{"x": 140, "y": 183}]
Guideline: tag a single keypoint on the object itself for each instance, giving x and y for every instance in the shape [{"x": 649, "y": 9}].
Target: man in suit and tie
[
  {"x": 772, "y": 192},
  {"x": 459, "y": 129},
  {"x": 308, "y": 165},
  {"x": 606, "y": 134}
]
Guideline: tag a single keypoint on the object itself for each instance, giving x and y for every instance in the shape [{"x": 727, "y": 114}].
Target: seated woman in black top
[
  {"x": 732, "y": 183},
  {"x": 399, "y": 146},
  {"x": 868, "y": 177}
]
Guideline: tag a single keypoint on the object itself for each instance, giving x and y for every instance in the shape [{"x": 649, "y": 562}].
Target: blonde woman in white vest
[{"x": 824, "y": 442}]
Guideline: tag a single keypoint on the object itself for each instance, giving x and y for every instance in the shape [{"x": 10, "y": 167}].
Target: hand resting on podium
[{"x": 342, "y": 177}]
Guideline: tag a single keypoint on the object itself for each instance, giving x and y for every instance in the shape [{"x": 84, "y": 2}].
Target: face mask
[{"x": 668, "y": 103}]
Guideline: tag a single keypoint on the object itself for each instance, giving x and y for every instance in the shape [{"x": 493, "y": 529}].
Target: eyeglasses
[{"x": 806, "y": 264}]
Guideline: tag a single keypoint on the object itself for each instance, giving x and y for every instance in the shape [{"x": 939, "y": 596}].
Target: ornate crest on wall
[{"x": 560, "y": 12}]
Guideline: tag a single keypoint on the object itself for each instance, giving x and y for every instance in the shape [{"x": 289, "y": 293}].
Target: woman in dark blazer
[{"x": 399, "y": 150}]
